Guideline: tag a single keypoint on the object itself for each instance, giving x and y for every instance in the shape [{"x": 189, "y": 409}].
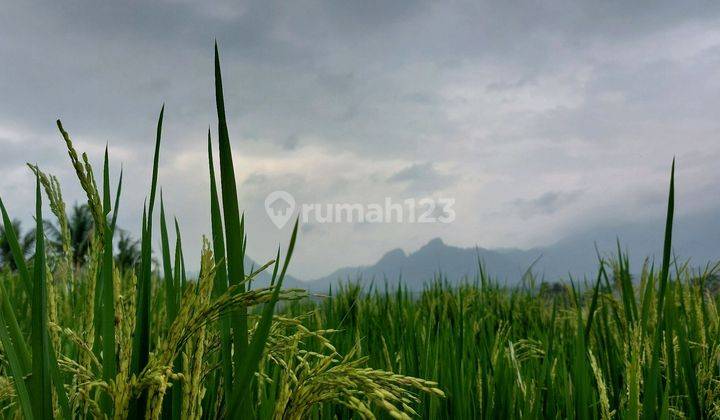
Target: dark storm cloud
[
  {"x": 420, "y": 178},
  {"x": 546, "y": 204}
]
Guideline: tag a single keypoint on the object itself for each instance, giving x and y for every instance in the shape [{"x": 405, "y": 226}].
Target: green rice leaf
[
  {"x": 42, "y": 407},
  {"x": 11, "y": 352},
  {"x": 18, "y": 257},
  {"x": 108, "y": 294},
  {"x": 221, "y": 284},
  {"x": 170, "y": 294},
  {"x": 113, "y": 224},
  {"x": 14, "y": 331},
  {"x": 233, "y": 230},
  {"x": 141, "y": 336},
  {"x": 252, "y": 358}
]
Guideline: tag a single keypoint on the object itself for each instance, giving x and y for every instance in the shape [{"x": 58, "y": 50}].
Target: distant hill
[
  {"x": 696, "y": 237},
  {"x": 435, "y": 257}
]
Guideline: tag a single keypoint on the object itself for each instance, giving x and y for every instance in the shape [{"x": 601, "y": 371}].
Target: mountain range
[{"x": 695, "y": 238}]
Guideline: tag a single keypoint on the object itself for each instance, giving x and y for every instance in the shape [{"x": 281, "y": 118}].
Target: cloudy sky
[{"x": 539, "y": 118}]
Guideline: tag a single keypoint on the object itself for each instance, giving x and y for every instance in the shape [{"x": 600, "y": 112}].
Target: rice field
[
  {"x": 598, "y": 350},
  {"x": 100, "y": 335}
]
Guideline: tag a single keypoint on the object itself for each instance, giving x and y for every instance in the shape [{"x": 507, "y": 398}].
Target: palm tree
[
  {"x": 128, "y": 251},
  {"x": 25, "y": 241},
  {"x": 81, "y": 226}
]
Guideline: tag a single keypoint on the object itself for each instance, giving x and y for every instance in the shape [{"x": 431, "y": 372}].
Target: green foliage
[
  {"x": 39, "y": 338},
  {"x": 234, "y": 231}
]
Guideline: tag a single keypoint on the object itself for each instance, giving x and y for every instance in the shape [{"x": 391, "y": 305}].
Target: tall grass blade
[
  {"x": 170, "y": 299},
  {"x": 242, "y": 393},
  {"x": 108, "y": 293},
  {"x": 177, "y": 393},
  {"x": 181, "y": 279},
  {"x": 141, "y": 336},
  {"x": 233, "y": 231},
  {"x": 594, "y": 302},
  {"x": 652, "y": 384},
  {"x": 221, "y": 283},
  {"x": 42, "y": 407},
  {"x": 115, "y": 208},
  {"x": 18, "y": 256},
  {"x": 11, "y": 353},
  {"x": 667, "y": 243},
  {"x": 14, "y": 331}
]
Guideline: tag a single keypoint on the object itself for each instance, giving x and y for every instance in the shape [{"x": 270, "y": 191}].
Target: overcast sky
[{"x": 540, "y": 120}]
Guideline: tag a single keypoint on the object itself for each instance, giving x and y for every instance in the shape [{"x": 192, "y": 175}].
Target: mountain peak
[
  {"x": 393, "y": 257},
  {"x": 435, "y": 243}
]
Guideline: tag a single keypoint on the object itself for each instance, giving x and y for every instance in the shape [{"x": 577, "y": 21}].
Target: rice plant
[{"x": 92, "y": 338}]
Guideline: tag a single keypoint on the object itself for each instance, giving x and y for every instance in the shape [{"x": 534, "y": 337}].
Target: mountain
[
  {"x": 436, "y": 257},
  {"x": 695, "y": 237}
]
